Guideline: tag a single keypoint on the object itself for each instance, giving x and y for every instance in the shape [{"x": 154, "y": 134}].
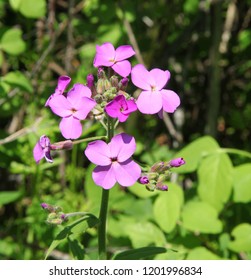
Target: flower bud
[
  {"x": 150, "y": 187},
  {"x": 123, "y": 84},
  {"x": 63, "y": 145},
  {"x": 114, "y": 81},
  {"x": 90, "y": 81},
  {"x": 177, "y": 162},
  {"x": 157, "y": 166},
  {"x": 143, "y": 180},
  {"x": 101, "y": 73}
]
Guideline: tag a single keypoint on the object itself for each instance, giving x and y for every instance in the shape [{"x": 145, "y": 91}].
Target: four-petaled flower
[
  {"x": 63, "y": 82},
  {"x": 106, "y": 55},
  {"x": 73, "y": 108},
  {"x": 42, "y": 149},
  {"x": 154, "y": 98},
  {"x": 120, "y": 108},
  {"x": 113, "y": 160}
]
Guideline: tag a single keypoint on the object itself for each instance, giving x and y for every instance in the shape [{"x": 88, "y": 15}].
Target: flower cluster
[
  {"x": 106, "y": 100},
  {"x": 158, "y": 174}
]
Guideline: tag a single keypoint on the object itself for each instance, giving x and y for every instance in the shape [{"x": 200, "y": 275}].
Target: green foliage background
[{"x": 206, "y": 45}]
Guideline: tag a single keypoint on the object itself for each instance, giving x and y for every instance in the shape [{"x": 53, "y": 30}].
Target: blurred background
[{"x": 205, "y": 44}]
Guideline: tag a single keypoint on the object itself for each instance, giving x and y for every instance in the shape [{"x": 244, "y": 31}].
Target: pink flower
[
  {"x": 42, "y": 149},
  {"x": 116, "y": 59},
  {"x": 63, "y": 82},
  {"x": 154, "y": 98},
  {"x": 120, "y": 108},
  {"x": 114, "y": 161},
  {"x": 73, "y": 108}
]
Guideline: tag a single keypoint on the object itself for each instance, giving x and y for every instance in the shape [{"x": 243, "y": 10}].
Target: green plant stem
[
  {"x": 104, "y": 205},
  {"x": 89, "y": 139}
]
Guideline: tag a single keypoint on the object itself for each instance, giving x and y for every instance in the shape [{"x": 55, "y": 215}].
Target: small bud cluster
[
  {"x": 158, "y": 174},
  {"x": 105, "y": 90},
  {"x": 55, "y": 216}
]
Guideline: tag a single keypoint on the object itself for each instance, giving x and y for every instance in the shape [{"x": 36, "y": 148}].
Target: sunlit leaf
[
  {"x": 242, "y": 183},
  {"x": 201, "y": 253},
  {"x": 12, "y": 42},
  {"x": 242, "y": 238}
]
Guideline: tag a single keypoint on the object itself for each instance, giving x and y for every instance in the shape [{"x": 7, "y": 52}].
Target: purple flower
[
  {"x": 73, "y": 108},
  {"x": 90, "y": 81},
  {"x": 63, "y": 82},
  {"x": 177, "y": 162},
  {"x": 120, "y": 108},
  {"x": 42, "y": 149},
  {"x": 114, "y": 161},
  {"x": 106, "y": 55},
  {"x": 153, "y": 98}
]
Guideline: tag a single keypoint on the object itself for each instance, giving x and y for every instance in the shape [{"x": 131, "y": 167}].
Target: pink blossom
[
  {"x": 154, "y": 98},
  {"x": 177, "y": 162},
  {"x": 73, "y": 108},
  {"x": 63, "y": 82},
  {"x": 120, "y": 108},
  {"x": 113, "y": 160},
  {"x": 106, "y": 55},
  {"x": 42, "y": 149}
]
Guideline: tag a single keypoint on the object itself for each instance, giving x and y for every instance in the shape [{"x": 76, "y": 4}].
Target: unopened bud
[
  {"x": 177, "y": 162},
  {"x": 123, "y": 84},
  {"x": 114, "y": 81},
  {"x": 90, "y": 81},
  {"x": 143, "y": 180},
  {"x": 63, "y": 145}
]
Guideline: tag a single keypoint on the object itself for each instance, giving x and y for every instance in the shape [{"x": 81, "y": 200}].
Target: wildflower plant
[{"x": 108, "y": 102}]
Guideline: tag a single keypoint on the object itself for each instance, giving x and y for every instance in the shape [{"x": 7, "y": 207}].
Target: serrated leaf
[
  {"x": 201, "y": 253},
  {"x": 242, "y": 183},
  {"x": 9, "y": 196},
  {"x": 200, "y": 217},
  {"x": 139, "y": 253},
  {"x": 167, "y": 207},
  {"x": 242, "y": 238},
  {"x": 215, "y": 180},
  {"x": 194, "y": 152},
  {"x": 17, "y": 79},
  {"x": 73, "y": 230},
  {"x": 12, "y": 42}
]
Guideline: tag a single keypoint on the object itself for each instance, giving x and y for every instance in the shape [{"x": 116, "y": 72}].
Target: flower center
[
  {"x": 114, "y": 159},
  {"x": 153, "y": 88},
  {"x": 73, "y": 110}
]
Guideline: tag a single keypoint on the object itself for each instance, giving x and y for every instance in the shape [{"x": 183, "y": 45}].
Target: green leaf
[
  {"x": 73, "y": 230},
  {"x": 33, "y": 9},
  {"x": 1, "y": 58},
  {"x": 200, "y": 217},
  {"x": 242, "y": 238},
  {"x": 167, "y": 207},
  {"x": 201, "y": 253},
  {"x": 140, "y": 191},
  {"x": 242, "y": 183},
  {"x": 139, "y": 254},
  {"x": 17, "y": 79},
  {"x": 9, "y": 196},
  {"x": 12, "y": 42},
  {"x": 15, "y": 4},
  {"x": 215, "y": 180},
  {"x": 144, "y": 234},
  {"x": 194, "y": 152},
  {"x": 76, "y": 248}
]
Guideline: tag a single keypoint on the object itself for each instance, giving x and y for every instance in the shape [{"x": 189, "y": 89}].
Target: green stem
[
  {"x": 89, "y": 139},
  {"x": 104, "y": 205}
]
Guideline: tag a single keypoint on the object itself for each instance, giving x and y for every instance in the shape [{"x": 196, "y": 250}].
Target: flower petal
[
  {"x": 77, "y": 92},
  {"x": 70, "y": 127},
  {"x": 123, "y": 68},
  {"x": 131, "y": 106},
  {"x": 161, "y": 77},
  {"x": 38, "y": 152},
  {"x": 124, "y": 52},
  {"x": 149, "y": 102},
  {"x": 170, "y": 100},
  {"x": 112, "y": 108},
  {"x": 127, "y": 173},
  {"x": 105, "y": 55},
  {"x": 104, "y": 176},
  {"x": 122, "y": 146},
  {"x": 84, "y": 107},
  {"x": 60, "y": 106},
  {"x": 141, "y": 77},
  {"x": 98, "y": 153},
  {"x": 63, "y": 82}
]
